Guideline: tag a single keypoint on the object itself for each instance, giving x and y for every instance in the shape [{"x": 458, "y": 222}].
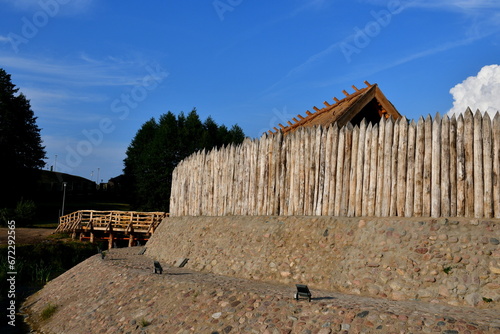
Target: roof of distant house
[{"x": 366, "y": 103}]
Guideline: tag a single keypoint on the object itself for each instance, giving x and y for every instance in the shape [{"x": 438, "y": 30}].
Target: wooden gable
[{"x": 369, "y": 103}]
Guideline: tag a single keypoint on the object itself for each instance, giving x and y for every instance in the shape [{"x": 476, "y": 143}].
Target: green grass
[
  {"x": 37, "y": 264},
  {"x": 144, "y": 323},
  {"x": 48, "y": 311}
]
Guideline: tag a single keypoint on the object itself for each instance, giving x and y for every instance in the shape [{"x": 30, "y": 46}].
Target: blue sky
[{"x": 95, "y": 71}]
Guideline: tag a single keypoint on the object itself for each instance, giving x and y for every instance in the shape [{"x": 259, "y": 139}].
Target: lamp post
[{"x": 64, "y": 197}]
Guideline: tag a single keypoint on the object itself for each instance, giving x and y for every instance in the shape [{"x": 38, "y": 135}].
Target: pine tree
[{"x": 21, "y": 150}]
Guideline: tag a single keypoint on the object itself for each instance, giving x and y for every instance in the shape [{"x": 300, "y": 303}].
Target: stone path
[{"x": 121, "y": 294}]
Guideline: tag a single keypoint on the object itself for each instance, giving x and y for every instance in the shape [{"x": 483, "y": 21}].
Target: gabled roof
[{"x": 368, "y": 102}]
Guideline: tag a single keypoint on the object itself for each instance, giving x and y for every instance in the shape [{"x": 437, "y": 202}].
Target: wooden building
[{"x": 368, "y": 102}]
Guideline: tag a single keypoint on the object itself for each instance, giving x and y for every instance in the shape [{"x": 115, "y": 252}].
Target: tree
[
  {"x": 158, "y": 147},
  {"x": 21, "y": 150}
]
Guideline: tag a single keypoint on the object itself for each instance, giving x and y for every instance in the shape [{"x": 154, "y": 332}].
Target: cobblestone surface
[{"x": 121, "y": 294}]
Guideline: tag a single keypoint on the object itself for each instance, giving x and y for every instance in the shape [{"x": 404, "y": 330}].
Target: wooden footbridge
[{"x": 111, "y": 225}]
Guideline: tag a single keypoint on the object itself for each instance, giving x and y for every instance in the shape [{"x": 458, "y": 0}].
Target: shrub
[{"x": 25, "y": 212}]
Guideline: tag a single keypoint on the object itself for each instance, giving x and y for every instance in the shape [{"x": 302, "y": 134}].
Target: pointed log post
[
  {"x": 469, "y": 162},
  {"x": 426, "y": 177},
  {"x": 380, "y": 168},
  {"x": 496, "y": 164},
  {"x": 374, "y": 171},
  {"x": 333, "y": 169},
  {"x": 436, "y": 167},
  {"x": 487, "y": 167},
  {"x": 328, "y": 170},
  {"x": 365, "y": 191},
  {"x": 394, "y": 170},
  {"x": 410, "y": 176},
  {"x": 402, "y": 167},
  {"x": 387, "y": 157},
  {"x": 445, "y": 167},
  {"x": 358, "y": 200},
  {"x": 478, "y": 167},
  {"x": 453, "y": 166},
  {"x": 419, "y": 167},
  {"x": 340, "y": 171},
  {"x": 461, "y": 194},
  {"x": 346, "y": 170}
]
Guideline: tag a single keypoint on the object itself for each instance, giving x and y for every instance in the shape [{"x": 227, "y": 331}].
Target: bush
[
  {"x": 6, "y": 214},
  {"x": 25, "y": 212}
]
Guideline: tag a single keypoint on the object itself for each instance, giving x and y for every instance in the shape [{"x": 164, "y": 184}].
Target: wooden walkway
[{"x": 111, "y": 225}]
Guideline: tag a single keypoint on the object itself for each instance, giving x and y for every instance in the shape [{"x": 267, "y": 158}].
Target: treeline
[{"x": 159, "y": 146}]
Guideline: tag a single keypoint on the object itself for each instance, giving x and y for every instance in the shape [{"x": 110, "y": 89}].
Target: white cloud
[
  {"x": 478, "y": 92},
  {"x": 97, "y": 73},
  {"x": 73, "y": 7}
]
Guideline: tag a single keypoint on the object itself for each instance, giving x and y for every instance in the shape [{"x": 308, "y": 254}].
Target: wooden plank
[
  {"x": 445, "y": 168},
  {"x": 365, "y": 190},
  {"x": 496, "y": 164},
  {"x": 478, "y": 167},
  {"x": 469, "y": 162},
  {"x": 410, "y": 170},
  {"x": 487, "y": 167},
  {"x": 426, "y": 176}
]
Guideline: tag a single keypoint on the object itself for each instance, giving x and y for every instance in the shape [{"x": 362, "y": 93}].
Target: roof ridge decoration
[{"x": 366, "y": 102}]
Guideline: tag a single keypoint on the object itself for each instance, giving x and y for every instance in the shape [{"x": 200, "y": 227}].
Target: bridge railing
[{"x": 123, "y": 221}]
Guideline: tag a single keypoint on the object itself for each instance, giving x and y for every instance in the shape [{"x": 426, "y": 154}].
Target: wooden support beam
[
  {"x": 355, "y": 88},
  {"x": 326, "y": 104},
  {"x": 316, "y": 108},
  {"x": 281, "y": 125},
  {"x": 336, "y": 99},
  {"x": 300, "y": 116},
  {"x": 367, "y": 83},
  {"x": 308, "y": 112},
  {"x": 345, "y": 93},
  {"x": 289, "y": 123},
  {"x": 295, "y": 120},
  {"x": 110, "y": 241}
]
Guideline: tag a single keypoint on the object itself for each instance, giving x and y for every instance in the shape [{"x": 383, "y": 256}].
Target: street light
[{"x": 64, "y": 197}]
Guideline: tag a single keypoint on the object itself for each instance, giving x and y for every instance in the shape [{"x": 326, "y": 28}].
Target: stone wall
[{"x": 449, "y": 261}]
